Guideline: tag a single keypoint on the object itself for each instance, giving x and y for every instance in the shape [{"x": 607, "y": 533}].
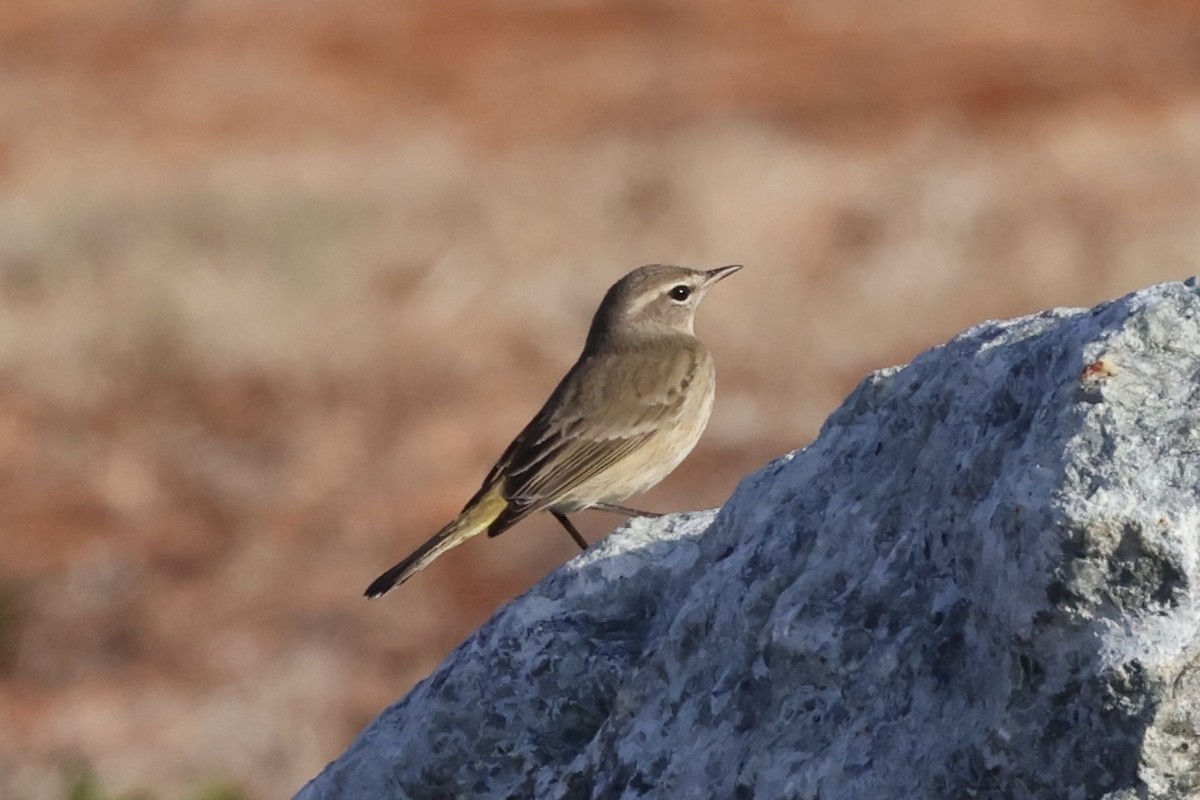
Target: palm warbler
[{"x": 629, "y": 410}]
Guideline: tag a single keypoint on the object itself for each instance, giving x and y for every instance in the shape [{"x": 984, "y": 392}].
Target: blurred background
[{"x": 279, "y": 280}]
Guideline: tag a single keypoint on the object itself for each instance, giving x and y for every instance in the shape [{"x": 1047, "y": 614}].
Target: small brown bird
[{"x": 630, "y": 409}]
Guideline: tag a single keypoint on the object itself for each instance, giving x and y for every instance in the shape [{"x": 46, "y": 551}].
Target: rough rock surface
[{"x": 980, "y": 581}]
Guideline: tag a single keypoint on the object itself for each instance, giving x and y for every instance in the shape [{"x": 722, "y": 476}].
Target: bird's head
[{"x": 654, "y": 296}]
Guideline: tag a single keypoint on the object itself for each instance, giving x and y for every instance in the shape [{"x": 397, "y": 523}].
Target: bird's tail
[{"x": 474, "y": 519}]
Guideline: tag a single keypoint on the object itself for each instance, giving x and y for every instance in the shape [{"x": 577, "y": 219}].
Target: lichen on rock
[{"x": 979, "y": 581}]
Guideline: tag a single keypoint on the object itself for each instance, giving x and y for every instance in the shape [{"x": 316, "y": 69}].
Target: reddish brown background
[{"x": 279, "y": 280}]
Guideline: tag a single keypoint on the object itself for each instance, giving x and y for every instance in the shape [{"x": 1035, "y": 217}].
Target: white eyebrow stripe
[{"x": 643, "y": 300}]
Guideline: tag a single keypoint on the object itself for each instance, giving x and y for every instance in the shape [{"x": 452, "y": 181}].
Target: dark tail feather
[
  {"x": 472, "y": 521},
  {"x": 404, "y": 570}
]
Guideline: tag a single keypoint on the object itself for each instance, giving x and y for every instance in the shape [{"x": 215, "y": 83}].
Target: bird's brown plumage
[{"x": 624, "y": 416}]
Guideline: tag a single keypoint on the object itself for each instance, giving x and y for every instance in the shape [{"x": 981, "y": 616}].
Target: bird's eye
[{"x": 680, "y": 293}]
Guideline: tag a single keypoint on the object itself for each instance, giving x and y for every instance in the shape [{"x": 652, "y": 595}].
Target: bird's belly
[{"x": 656, "y": 459}]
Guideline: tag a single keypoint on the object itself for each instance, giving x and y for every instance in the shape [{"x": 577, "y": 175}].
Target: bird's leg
[
  {"x": 626, "y": 510},
  {"x": 566, "y": 523}
]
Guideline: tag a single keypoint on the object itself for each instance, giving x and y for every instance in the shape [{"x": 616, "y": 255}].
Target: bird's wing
[{"x": 605, "y": 408}]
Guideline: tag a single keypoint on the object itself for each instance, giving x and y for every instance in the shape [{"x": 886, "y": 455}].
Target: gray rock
[{"x": 978, "y": 582}]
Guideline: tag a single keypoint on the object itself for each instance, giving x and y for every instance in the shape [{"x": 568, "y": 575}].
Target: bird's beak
[{"x": 714, "y": 275}]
